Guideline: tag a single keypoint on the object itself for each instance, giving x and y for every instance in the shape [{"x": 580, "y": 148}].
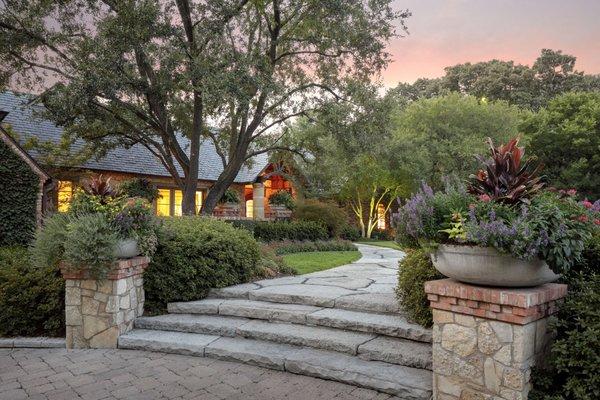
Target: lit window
[
  {"x": 65, "y": 195},
  {"x": 380, "y": 216},
  {"x": 250, "y": 208},
  {"x": 178, "y": 200},
  {"x": 198, "y": 202},
  {"x": 163, "y": 204}
]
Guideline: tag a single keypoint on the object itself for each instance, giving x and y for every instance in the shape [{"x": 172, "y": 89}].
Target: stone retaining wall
[
  {"x": 486, "y": 340},
  {"x": 98, "y": 311}
]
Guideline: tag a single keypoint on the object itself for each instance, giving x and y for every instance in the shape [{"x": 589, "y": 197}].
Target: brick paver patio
[{"x": 131, "y": 374}]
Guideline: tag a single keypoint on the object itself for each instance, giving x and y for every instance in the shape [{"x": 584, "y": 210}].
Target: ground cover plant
[{"x": 306, "y": 246}]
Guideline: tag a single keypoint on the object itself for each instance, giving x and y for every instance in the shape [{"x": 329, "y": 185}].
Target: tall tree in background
[
  {"x": 122, "y": 72},
  {"x": 529, "y": 87},
  {"x": 566, "y": 138}
]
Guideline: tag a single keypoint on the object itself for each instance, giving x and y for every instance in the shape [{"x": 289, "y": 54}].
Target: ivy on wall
[{"x": 18, "y": 197}]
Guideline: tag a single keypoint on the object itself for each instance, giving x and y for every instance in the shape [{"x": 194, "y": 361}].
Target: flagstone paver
[{"x": 131, "y": 374}]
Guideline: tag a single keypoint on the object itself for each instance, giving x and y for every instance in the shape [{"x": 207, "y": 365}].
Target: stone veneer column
[
  {"x": 486, "y": 340},
  {"x": 98, "y": 311},
  {"x": 258, "y": 200}
]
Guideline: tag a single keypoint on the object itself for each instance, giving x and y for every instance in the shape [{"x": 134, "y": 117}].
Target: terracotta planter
[{"x": 487, "y": 266}]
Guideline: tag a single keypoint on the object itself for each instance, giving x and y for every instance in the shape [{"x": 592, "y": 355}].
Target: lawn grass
[
  {"x": 305, "y": 263},
  {"x": 381, "y": 243}
]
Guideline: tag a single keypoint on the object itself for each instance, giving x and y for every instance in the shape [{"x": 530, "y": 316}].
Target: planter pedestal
[
  {"x": 486, "y": 340},
  {"x": 98, "y": 311}
]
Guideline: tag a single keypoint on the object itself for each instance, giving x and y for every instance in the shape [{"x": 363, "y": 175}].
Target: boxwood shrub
[
  {"x": 18, "y": 197},
  {"x": 416, "y": 269},
  {"x": 195, "y": 254},
  {"x": 294, "y": 230},
  {"x": 324, "y": 213},
  {"x": 31, "y": 298}
]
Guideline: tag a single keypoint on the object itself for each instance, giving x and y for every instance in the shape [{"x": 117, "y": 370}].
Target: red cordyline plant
[
  {"x": 507, "y": 178},
  {"x": 98, "y": 186}
]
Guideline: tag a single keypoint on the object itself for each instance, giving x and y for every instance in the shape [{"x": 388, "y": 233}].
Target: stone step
[
  {"x": 312, "y": 295},
  {"x": 404, "y": 382},
  {"x": 384, "y": 324},
  {"x": 367, "y": 345}
]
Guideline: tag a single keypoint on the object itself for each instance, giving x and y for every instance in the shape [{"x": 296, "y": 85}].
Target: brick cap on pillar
[
  {"x": 123, "y": 268},
  {"x": 514, "y": 305}
]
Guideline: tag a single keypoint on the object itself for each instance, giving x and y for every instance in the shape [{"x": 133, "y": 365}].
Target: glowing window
[
  {"x": 198, "y": 202},
  {"x": 65, "y": 195},
  {"x": 163, "y": 204},
  {"x": 250, "y": 208},
  {"x": 380, "y": 216},
  {"x": 178, "y": 199}
]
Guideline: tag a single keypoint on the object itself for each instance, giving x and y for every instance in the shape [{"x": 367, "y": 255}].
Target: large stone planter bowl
[
  {"x": 127, "y": 248},
  {"x": 487, "y": 266}
]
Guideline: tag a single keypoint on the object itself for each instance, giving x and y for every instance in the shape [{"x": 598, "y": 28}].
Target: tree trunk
[
  {"x": 223, "y": 182},
  {"x": 188, "y": 203}
]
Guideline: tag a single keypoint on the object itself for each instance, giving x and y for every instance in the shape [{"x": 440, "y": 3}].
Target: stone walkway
[{"x": 131, "y": 374}]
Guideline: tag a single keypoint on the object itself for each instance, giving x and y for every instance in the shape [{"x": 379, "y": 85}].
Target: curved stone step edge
[
  {"x": 393, "y": 325},
  {"x": 366, "y": 345},
  {"x": 405, "y": 382}
]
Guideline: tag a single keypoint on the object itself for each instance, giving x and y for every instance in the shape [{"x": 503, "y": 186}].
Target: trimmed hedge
[
  {"x": 349, "y": 232},
  {"x": 416, "y": 269},
  {"x": 294, "y": 230},
  {"x": 327, "y": 214},
  {"x": 31, "y": 299},
  {"x": 195, "y": 254},
  {"x": 288, "y": 247},
  {"x": 18, "y": 196}
]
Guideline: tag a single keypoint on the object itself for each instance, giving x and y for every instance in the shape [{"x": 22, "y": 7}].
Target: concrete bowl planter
[
  {"x": 127, "y": 248},
  {"x": 487, "y": 266}
]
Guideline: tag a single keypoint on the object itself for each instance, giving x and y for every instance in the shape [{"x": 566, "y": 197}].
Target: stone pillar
[
  {"x": 98, "y": 311},
  {"x": 258, "y": 200},
  {"x": 486, "y": 340}
]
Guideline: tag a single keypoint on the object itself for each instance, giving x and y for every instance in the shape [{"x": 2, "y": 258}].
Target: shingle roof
[{"x": 136, "y": 159}]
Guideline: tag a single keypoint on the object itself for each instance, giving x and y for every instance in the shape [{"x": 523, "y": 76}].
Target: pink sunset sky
[{"x": 449, "y": 32}]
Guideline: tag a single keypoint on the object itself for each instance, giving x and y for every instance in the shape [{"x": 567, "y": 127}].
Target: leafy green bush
[
  {"x": 416, "y": 269},
  {"x": 19, "y": 187},
  {"x": 282, "y": 198},
  {"x": 271, "y": 265},
  {"x": 573, "y": 370},
  {"x": 230, "y": 196},
  {"x": 195, "y": 254},
  {"x": 349, "y": 232},
  {"x": 139, "y": 187},
  {"x": 287, "y": 246},
  {"x": 382, "y": 234},
  {"x": 31, "y": 299},
  {"x": 294, "y": 230},
  {"x": 327, "y": 214}
]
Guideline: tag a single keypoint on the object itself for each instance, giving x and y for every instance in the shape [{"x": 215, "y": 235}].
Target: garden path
[{"x": 341, "y": 324}]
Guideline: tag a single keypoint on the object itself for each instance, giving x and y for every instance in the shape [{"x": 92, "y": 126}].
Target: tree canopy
[
  {"x": 529, "y": 87},
  {"x": 122, "y": 72},
  {"x": 566, "y": 139}
]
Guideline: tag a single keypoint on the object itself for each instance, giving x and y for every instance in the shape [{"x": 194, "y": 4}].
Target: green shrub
[
  {"x": 139, "y": 187},
  {"x": 282, "y": 198},
  {"x": 288, "y": 247},
  {"x": 327, "y": 214},
  {"x": 195, "y": 254},
  {"x": 349, "y": 232},
  {"x": 382, "y": 234},
  {"x": 19, "y": 187},
  {"x": 31, "y": 299},
  {"x": 573, "y": 366},
  {"x": 271, "y": 265},
  {"x": 230, "y": 196},
  {"x": 294, "y": 230},
  {"x": 246, "y": 224},
  {"x": 416, "y": 269}
]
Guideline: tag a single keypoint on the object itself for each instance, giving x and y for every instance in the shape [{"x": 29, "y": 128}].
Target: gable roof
[{"x": 136, "y": 160}]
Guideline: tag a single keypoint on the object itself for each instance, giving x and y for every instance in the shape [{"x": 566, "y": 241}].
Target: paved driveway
[{"x": 131, "y": 374}]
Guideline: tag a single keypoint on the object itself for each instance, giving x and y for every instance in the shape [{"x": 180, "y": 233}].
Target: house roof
[{"x": 136, "y": 159}]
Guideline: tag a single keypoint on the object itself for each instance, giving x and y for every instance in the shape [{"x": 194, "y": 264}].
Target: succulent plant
[{"x": 507, "y": 177}]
